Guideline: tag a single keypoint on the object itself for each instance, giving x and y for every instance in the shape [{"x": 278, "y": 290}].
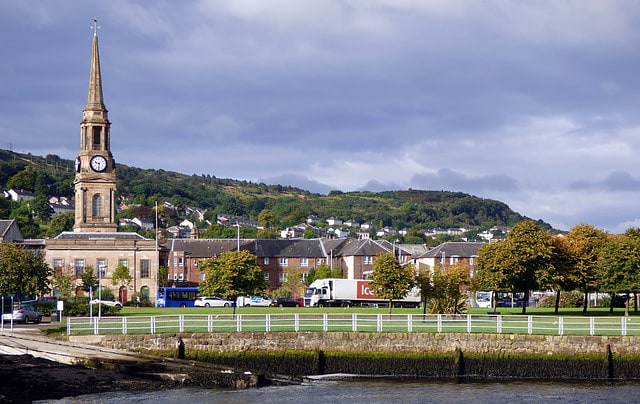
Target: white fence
[{"x": 355, "y": 322}]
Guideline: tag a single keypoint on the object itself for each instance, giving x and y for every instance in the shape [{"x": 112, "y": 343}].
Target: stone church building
[{"x": 94, "y": 241}]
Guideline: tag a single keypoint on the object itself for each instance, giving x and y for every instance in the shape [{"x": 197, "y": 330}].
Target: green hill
[{"x": 417, "y": 209}]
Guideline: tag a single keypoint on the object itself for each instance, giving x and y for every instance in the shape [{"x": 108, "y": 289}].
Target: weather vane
[{"x": 95, "y": 27}]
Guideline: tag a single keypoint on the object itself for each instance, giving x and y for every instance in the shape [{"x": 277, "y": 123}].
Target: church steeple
[
  {"x": 95, "y": 182},
  {"x": 95, "y": 100}
]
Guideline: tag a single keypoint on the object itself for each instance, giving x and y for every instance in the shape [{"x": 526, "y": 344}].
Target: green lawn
[{"x": 537, "y": 321}]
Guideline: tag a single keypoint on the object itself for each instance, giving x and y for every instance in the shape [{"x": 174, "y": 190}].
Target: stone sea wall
[
  {"x": 491, "y": 344},
  {"x": 420, "y": 355}
]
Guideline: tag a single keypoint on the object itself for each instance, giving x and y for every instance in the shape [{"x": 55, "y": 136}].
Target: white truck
[{"x": 351, "y": 292}]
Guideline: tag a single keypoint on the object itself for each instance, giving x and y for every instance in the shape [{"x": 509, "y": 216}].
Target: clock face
[{"x": 98, "y": 163}]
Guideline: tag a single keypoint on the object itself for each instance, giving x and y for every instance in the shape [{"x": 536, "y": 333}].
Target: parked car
[
  {"x": 23, "y": 313},
  {"x": 107, "y": 302},
  {"x": 285, "y": 302},
  {"x": 253, "y": 301},
  {"x": 212, "y": 301}
]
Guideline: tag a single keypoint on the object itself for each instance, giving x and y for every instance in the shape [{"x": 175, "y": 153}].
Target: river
[{"x": 354, "y": 391}]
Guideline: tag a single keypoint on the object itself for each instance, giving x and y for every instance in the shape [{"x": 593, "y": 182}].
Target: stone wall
[{"x": 490, "y": 344}]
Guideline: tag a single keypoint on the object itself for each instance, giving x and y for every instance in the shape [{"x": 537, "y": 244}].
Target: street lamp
[
  {"x": 157, "y": 282},
  {"x": 238, "y": 226}
]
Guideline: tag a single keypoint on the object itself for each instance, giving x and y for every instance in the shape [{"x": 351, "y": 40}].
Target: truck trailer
[{"x": 330, "y": 292}]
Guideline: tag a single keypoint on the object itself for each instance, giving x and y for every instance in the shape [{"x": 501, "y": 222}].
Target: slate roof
[
  {"x": 460, "y": 249},
  {"x": 289, "y": 248},
  {"x": 91, "y": 235},
  {"x": 207, "y": 248},
  {"x": 9, "y": 231},
  {"x": 365, "y": 247}
]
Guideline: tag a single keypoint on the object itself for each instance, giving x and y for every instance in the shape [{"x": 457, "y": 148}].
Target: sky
[{"x": 532, "y": 103}]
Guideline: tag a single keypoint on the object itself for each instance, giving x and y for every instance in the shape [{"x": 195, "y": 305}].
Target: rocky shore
[{"x": 24, "y": 379}]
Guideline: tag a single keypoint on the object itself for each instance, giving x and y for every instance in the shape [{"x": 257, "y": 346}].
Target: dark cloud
[
  {"x": 518, "y": 100},
  {"x": 617, "y": 181},
  {"x": 450, "y": 180}
]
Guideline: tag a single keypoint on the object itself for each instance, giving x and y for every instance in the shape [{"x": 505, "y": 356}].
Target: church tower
[{"x": 95, "y": 181}]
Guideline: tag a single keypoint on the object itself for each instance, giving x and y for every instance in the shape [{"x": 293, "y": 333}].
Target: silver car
[{"x": 23, "y": 313}]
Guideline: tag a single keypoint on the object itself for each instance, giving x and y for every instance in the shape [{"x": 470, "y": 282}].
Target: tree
[
  {"x": 323, "y": 271},
  {"x": 89, "y": 279},
  {"x": 163, "y": 276},
  {"x": 232, "y": 274},
  {"x": 586, "y": 243},
  {"x": 23, "y": 273},
  {"x": 266, "y": 218},
  {"x": 60, "y": 223},
  {"x": 517, "y": 262},
  {"x": 446, "y": 293},
  {"x": 63, "y": 284},
  {"x": 41, "y": 208},
  {"x": 620, "y": 263},
  {"x": 563, "y": 274},
  {"x": 121, "y": 276},
  {"x": 390, "y": 280},
  {"x": 490, "y": 275},
  {"x": 294, "y": 284}
]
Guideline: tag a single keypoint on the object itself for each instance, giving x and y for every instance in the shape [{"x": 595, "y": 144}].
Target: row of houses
[{"x": 277, "y": 258}]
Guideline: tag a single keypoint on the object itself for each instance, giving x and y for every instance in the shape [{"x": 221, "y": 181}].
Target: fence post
[
  {"x": 124, "y": 325},
  {"x": 379, "y": 323},
  {"x": 409, "y": 322},
  {"x": 592, "y": 325},
  {"x": 325, "y": 322},
  {"x": 439, "y": 323},
  {"x": 181, "y": 322},
  {"x": 623, "y": 326},
  {"x": 354, "y": 322},
  {"x": 152, "y": 323},
  {"x": 239, "y": 322},
  {"x": 499, "y": 324},
  {"x": 529, "y": 325},
  {"x": 296, "y": 321},
  {"x": 560, "y": 325},
  {"x": 469, "y": 323},
  {"x": 96, "y": 328}
]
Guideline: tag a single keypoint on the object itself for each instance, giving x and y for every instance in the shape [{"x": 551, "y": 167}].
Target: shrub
[{"x": 572, "y": 299}]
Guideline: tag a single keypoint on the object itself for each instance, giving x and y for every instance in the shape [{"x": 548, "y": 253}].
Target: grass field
[{"x": 270, "y": 319}]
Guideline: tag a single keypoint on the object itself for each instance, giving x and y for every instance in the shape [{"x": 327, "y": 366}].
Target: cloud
[
  {"x": 447, "y": 179},
  {"x": 617, "y": 181},
  {"x": 299, "y": 182}
]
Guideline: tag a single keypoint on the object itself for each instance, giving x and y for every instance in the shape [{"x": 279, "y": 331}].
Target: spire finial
[{"x": 95, "y": 27}]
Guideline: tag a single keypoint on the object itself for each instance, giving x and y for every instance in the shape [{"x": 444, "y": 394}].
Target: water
[{"x": 355, "y": 391}]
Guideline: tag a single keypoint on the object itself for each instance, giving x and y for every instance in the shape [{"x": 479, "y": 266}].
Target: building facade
[{"x": 94, "y": 244}]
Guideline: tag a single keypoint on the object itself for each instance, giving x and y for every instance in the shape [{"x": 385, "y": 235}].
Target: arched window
[{"x": 97, "y": 205}]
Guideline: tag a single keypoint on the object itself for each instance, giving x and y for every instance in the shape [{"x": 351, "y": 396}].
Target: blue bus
[{"x": 177, "y": 297}]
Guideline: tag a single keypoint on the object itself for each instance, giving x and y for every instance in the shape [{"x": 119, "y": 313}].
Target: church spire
[
  {"x": 95, "y": 182},
  {"x": 95, "y": 101}
]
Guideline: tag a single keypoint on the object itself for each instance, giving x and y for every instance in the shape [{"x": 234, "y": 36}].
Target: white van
[{"x": 255, "y": 301}]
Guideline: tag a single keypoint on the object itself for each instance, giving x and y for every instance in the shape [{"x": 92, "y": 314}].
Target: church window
[
  {"x": 97, "y": 205},
  {"x": 79, "y": 265},
  {"x": 97, "y": 131},
  {"x": 144, "y": 268}
]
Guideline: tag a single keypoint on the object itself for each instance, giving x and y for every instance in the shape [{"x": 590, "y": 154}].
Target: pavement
[{"x": 27, "y": 339}]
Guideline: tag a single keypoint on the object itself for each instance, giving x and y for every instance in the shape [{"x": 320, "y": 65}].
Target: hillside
[{"x": 417, "y": 209}]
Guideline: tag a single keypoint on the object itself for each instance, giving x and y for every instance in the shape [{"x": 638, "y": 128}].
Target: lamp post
[
  {"x": 238, "y": 226},
  {"x": 157, "y": 266},
  {"x": 100, "y": 290}
]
